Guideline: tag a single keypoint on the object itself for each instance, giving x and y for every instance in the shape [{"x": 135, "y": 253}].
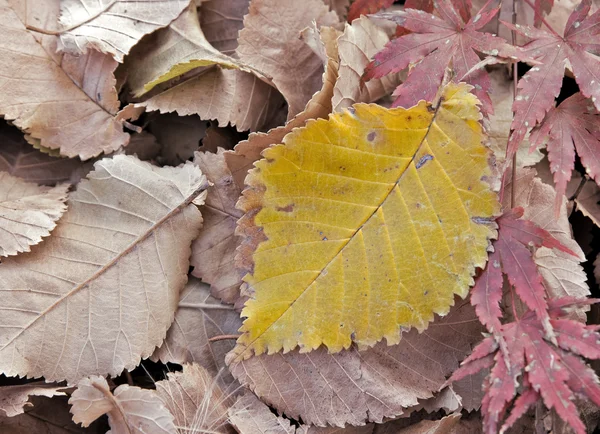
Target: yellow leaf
[{"x": 364, "y": 225}]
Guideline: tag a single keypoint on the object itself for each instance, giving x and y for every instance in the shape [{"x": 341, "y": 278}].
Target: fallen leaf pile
[{"x": 283, "y": 217}]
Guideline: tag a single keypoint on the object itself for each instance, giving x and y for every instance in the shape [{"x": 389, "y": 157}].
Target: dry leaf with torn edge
[
  {"x": 379, "y": 219},
  {"x": 14, "y": 399},
  {"x": 130, "y": 409},
  {"x": 28, "y": 212},
  {"x": 101, "y": 292}
]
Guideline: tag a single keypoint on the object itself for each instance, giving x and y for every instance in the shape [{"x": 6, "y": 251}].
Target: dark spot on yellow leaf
[
  {"x": 287, "y": 208},
  {"x": 371, "y": 136},
  {"x": 424, "y": 159}
]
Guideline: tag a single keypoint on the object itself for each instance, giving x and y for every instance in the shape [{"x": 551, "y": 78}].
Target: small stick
[{"x": 223, "y": 338}]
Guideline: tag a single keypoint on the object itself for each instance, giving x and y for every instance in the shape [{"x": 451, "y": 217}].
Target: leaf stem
[
  {"x": 74, "y": 26},
  {"x": 515, "y": 71},
  {"x": 222, "y": 338}
]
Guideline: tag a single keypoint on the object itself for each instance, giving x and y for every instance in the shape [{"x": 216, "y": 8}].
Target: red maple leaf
[
  {"x": 541, "y": 84},
  {"x": 574, "y": 124},
  {"x": 554, "y": 372},
  {"x": 364, "y": 7},
  {"x": 436, "y": 43},
  {"x": 513, "y": 258}
]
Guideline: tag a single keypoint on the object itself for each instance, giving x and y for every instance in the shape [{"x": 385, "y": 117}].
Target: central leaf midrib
[
  {"x": 249, "y": 344},
  {"x": 188, "y": 200}
]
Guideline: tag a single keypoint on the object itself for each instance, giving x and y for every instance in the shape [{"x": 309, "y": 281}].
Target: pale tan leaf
[
  {"x": 231, "y": 97},
  {"x": 562, "y": 273},
  {"x": 13, "y": 399},
  {"x": 56, "y": 99},
  {"x": 28, "y": 212},
  {"x": 442, "y": 426},
  {"x": 221, "y": 21},
  {"x": 360, "y": 42},
  {"x": 319, "y": 106},
  {"x": 587, "y": 201},
  {"x": 199, "y": 317},
  {"x": 213, "y": 252},
  {"x": 102, "y": 291},
  {"x": 130, "y": 410},
  {"x": 352, "y": 387},
  {"x": 250, "y": 416},
  {"x": 19, "y": 158},
  {"x": 196, "y": 401},
  {"x": 172, "y": 52},
  {"x": 270, "y": 43},
  {"x": 113, "y": 26},
  {"x": 498, "y": 127},
  {"x": 47, "y": 416}
]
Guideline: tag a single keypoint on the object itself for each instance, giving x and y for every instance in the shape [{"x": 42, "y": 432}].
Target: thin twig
[
  {"x": 222, "y": 338},
  {"x": 513, "y": 186}
]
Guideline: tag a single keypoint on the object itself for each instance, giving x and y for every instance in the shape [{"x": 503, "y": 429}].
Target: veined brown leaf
[
  {"x": 130, "y": 409},
  {"x": 101, "y": 292},
  {"x": 381, "y": 216},
  {"x": 50, "y": 96},
  {"x": 113, "y": 26},
  {"x": 172, "y": 52},
  {"x": 14, "y": 399},
  {"x": 196, "y": 401},
  {"x": 28, "y": 212},
  {"x": 221, "y": 22}
]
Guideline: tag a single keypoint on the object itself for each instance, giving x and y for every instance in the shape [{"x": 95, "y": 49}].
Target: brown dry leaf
[
  {"x": 114, "y": 26},
  {"x": 130, "y": 409},
  {"x": 352, "y": 387},
  {"x": 47, "y": 416},
  {"x": 562, "y": 273},
  {"x": 587, "y": 201},
  {"x": 231, "y": 97},
  {"x": 172, "y": 52},
  {"x": 199, "y": 317},
  {"x": 498, "y": 126},
  {"x": 19, "y": 158},
  {"x": 250, "y": 416},
  {"x": 102, "y": 291},
  {"x": 196, "y": 401},
  {"x": 14, "y": 399},
  {"x": 179, "y": 136},
  {"x": 360, "y": 42},
  {"x": 319, "y": 106},
  {"x": 442, "y": 426},
  {"x": 57, "y": 99},
  {"x": 270, "y": 43},
  {"x": 221, "y": 21},
  {"x": 213, "y": 252},
  {"x": 28, "y": 212}
]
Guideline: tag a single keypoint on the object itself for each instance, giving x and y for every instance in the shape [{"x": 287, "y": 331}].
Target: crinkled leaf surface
[
  {"x": 355, "y": 387},
  {"x": 251, "y": 416},
  {"x": 354, "y": 205},
  {"x": 130, "y": 409},
  {"x": 196, "y": 402},
  {"x": 173, "y": 51},
  {"x": 270, "y": 43},
  {"x": 28, "y": 212},
  {"x": 49, "y": 97},
  {"x": 113, "y": 26},
  {"x": 221, "y": 21},
  {"x": 101, "y": 292},
  {"x": 199, "y": 317},
  {"x": 213, "y": 252}
]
